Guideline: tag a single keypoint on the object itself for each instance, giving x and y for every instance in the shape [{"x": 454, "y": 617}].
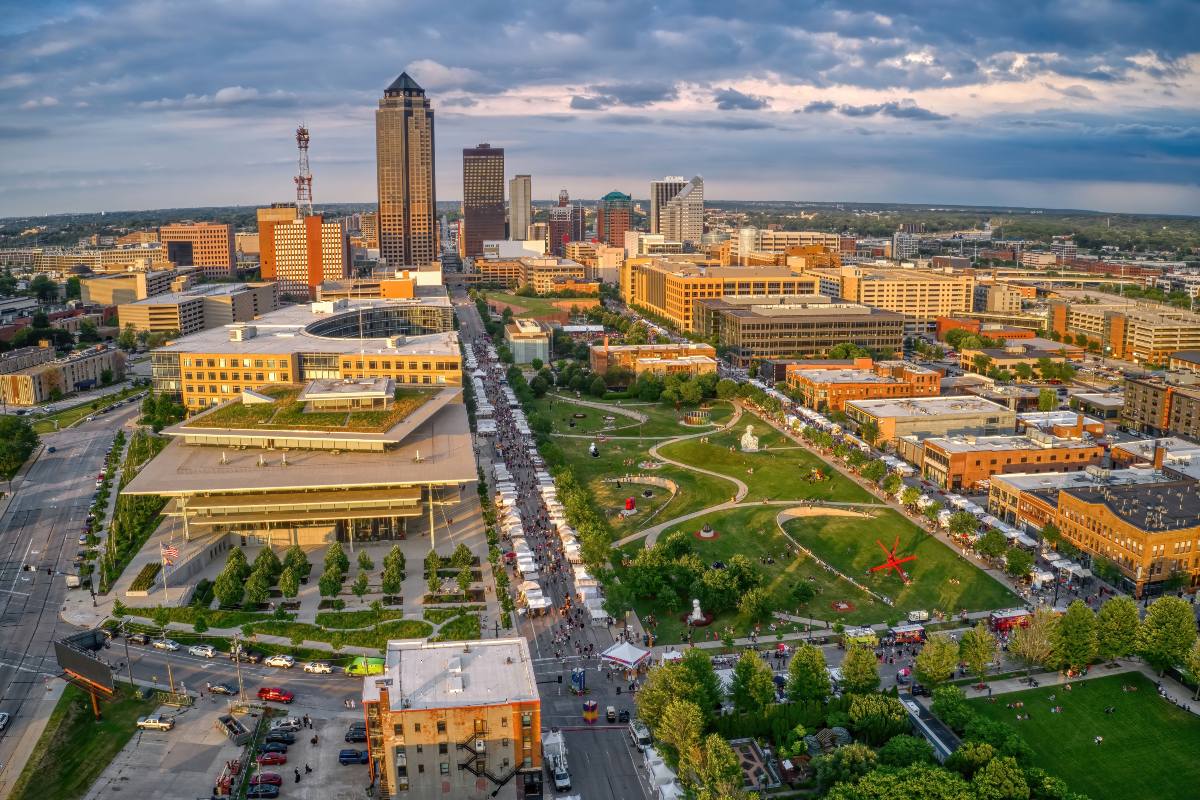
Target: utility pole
[
  {"x": 237, "y": 663},
  {"x": 170, "y": 678},
  {"x": 128, "y": 662}
]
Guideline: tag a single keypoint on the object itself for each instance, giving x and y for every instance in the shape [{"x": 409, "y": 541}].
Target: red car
[
  {"x": 272, "y": 759},
  {"x": 276, "y": 694},
  {"x": 273, "y": 778}
]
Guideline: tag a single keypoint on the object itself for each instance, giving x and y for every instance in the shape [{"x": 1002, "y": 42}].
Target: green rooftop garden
[{"x": 287, "y": 413}]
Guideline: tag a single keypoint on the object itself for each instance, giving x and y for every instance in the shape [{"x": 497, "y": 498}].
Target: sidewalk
[{"x": 10, "y": 772}]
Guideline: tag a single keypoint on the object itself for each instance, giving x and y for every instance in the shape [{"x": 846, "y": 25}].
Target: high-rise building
[
  {"x": 660, "y": 192},
  {"x": 207, "y": 245},
  {"x": 301, "y": 252},
  {"x": 483, "y": 196},
  {"x": 520, "y": 207},
  {"x": 404, "y": 163},
  {"x": 566, "y": 224},
  {"x": 613, "y": 217},
  {"x": 905, "y": 245},
  {"x": 681, "y": 218}
]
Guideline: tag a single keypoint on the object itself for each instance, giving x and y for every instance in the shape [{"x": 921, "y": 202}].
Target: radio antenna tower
[{"x": 304, "y": 178}]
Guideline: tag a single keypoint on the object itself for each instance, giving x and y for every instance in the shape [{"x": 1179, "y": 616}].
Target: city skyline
[{"x": 1085, "y": 106}]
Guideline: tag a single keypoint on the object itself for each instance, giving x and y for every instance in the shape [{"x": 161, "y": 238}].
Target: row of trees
[{"x": 461, "y": 560}]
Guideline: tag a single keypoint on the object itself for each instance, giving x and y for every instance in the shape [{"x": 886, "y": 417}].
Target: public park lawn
[
  {"x": 1149, "y": 747},
  {"x": 663, "y": 419},
  {"x": 74, "y": 749},
  {"x": 781, "y": 467},
  {"x": 850, "y": 545},
  {"x": 752, "y": 532},
  {"x": 534, "y": 306}
]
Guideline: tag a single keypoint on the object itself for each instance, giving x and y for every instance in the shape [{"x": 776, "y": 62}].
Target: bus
[
  {"x": 907, "y": 634},
  {"x": 1006, "y": 620}
]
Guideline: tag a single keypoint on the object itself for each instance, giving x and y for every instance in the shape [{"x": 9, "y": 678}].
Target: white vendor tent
[{"x": 625, "y": 655}]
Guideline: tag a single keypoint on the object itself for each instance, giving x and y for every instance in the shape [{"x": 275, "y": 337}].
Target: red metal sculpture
[{"x": 893, "y": 562}]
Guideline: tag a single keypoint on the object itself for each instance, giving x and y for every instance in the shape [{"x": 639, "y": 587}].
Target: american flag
[{"x": 169, "y": 553}]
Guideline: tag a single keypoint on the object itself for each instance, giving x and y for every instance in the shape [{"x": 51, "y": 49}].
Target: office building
[
  {"x": 638, "y": 244},
  {"x": 1147, "y": 333},
  {"x": 1065, "y": 423},
  {"x": 405, "y": 174},
  {"x": 761, "y": 240},
  {"x": 567, "y": 224},
  {"x": 600, "y": 262},
  {"x": 303, "y": 253},
  {"x": 127, "y": 287},
  {"x": 944, "y": 325},
  {"x": 25, "y": 357},
  {"x": 661, "y": 192},
  {"x": 614, "y": 217},
  {"x": 460, "y": 719},
  {"x": 669, "y": 288},
  {"x": 48, "y": 380},
  {"x": 1024, "y": 351},
  {"x": 1029, "y": 501},
  {"x": 905, "y": 245},
  {"x": 1163, "y": 404},
  {"x": 137, "y": 237},
  {"x": 752, "y": 328},
  {"x": 931, "y": 416},
  {"x": 483, "y": 197},
  {"x": 368, "y": 228},
  {"x": 681, "y": 217},
  {"x": 528, "y": 339},
  {"x": 205, "y": 245},
  {"x": 920, "y": 295},
  {"x": 199, "y": 307},
  {"x": 830, "y": 389},
  {"x": 963, "y": 462},
  {"x": 322, "y": 340},
  {"x": 66, "y": 261},
  {"x": 1185, "y": 361},
  {"x": 690, "y": 357},
  {"x": 520, "y": 207},
  {"x": 515, "y": 248}
]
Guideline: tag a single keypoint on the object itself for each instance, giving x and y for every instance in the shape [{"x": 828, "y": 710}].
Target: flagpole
[{"x": 162, "y": 556}]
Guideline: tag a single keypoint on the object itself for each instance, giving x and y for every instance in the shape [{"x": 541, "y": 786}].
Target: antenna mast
[{"x": 304, "y": 177}]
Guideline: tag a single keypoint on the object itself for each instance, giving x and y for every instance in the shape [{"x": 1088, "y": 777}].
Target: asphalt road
[{"x": 40, "y": 527}]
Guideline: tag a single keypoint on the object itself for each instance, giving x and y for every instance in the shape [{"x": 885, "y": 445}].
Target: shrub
[{"x": 145, "y": 578}]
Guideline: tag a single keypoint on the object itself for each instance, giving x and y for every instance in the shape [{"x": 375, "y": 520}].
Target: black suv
[
  {"x": 245, "y": 656},
  {"x": 356, "y": 733},
  {"x": 139, "y": 638}
]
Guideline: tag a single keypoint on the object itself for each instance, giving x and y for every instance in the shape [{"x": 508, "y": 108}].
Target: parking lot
[{"x": 185, "y": 762}]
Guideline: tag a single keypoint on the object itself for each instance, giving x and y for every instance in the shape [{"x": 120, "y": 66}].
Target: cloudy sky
[{"x": 127, "y": 104}]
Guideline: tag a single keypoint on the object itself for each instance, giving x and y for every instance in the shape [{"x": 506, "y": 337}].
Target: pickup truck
[{"x": 156, "y": 722}]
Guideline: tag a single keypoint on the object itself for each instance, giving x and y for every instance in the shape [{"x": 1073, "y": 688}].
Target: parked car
[
  {"x": 318, "y": 668},
  {"x": 273, "y": 778},
  {"x": 4, "y": 719},
  {"x": 356, "y": 735},
  {"x": 276, "y": 694},
  {"x": 139, "y": 638},
  {"x": 205, "y": 650},
  {"x": 166, "y": 644},
  {"x": 262, "y": 790},
  {"x": 352, "y": 757},
  {"x": 271, "y": 759},
  {"x": 273, "y": 747},
  {"x": 222, "y": 688},
  {"x": 280, "y": 660},
  {"x": 286, "y": 737},
  {"x": 287, "y": 724},
  {"x": 245, "y": 656},
  {"x": 51, "y": 449},
  {"x": 83, "y": 537},
  {"x": 919, "y": 690},
  {"x": 156, "y": 722}
]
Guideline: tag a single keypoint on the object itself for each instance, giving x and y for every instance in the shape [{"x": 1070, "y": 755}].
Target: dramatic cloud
[
  {"x": 733, "y": 100},
  {"x": 1074, "y": 102}
]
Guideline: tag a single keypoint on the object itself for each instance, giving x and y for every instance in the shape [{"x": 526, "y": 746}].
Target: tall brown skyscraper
[
  {"x": 483, "y": 196},
  {"x": 613, "y": 218},
  {"x": 404, "y": 161}
]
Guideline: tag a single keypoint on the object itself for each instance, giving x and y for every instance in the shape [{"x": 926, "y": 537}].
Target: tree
[
  {"x": 977, "y": 649},
  {"x": 295, "y": 558},
  {"x": 597, "y": 388},
  {"x": 1001, "y": 779},
  {"x": 289, "y": 583},
  {"x": 691, "y": 678},
  {"x": 618, "y": 600},
  {"x": 464, "y": 579},
  {"x": 392, "y": 579},
  {"x": 17, "y": 442},
  {"x": 335, "y": 557},
  {"x": 936, "y": 662},
  {"x": 462, "y": 557},
  {"x": 963, "y": 523},
  {"x": 970, "y": 758},
  {"x": 860, "y": 670},
  {"x": 992, "y": 544},
  {"x": 910, "y": 496},
  {"x": 1117, "y": 626},
  {"x": 845, "y": 764},
  {"x": 43, "y": 288},
  {"x": 359, "y": 587},
  {"x": 1051, "y": 533},
  {"x": 1075, "y": 641},
  {"x": 161, "y": 616},
  {"x": 869, "y": 431},
  {"x": 127, "y": 340},
  {"x": 875, "y": 717},
  {"x": 1167, "y": 632},
  {"x": 909, "y": 783},
  {"x": 874, "y": 471},
  {"x": 1017, "y": 562},
  {"x": 950, "y": 705},
  {"x": 680, "y": 728},
  {"x": 891, "y": 483},
  {"x": 394, "y": 556},
  {"x": 719, "y": 771},
  {"x": 808, "y": 680},
  {"x": 201, "y": 623},
  {"x": 539, "y": 386},
  {"x": 753, "y": 684},
  {"x": 268, "y": 563},
  {"x": 228, "y": 588},
  {"x": 1047, "y": 400},
  {"x": 1192, "y": 664},
  {"x": 364, "y": 561},
  {"x": 1034, "y": 643},
  {"x": 330, "y": 582},
  {"x": 257, "y": 589},
  {"x": 754, "y": 604},
  {"x": 903, "y": 750},
  {"x": 1023, "y": 371}
]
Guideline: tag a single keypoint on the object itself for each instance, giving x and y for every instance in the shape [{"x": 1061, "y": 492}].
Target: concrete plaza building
[{"x": 932, "y": 416}]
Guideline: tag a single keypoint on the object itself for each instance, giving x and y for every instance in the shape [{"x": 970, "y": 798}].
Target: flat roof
[
  {"x": 1001, "y": 443},
  {"x": 1051, "y": 482},
  {"x": 904, "y": 408},
  {"x": 1040, "y": 418},
  {"x": 651, "y": 349},
  {"x": 1101, "y": 399},
  {"x": 328, "y": 388},
  {"x": 1190, "y": 356},
  {"x": 1149, "y": 507},
  {"x": 285, "y": 330},
  {"x": 442, "y": 441},
  {"x": 419, "y": 674},
  {"x": 845, "y": 376},
  {"x": 198, "y": 292}
]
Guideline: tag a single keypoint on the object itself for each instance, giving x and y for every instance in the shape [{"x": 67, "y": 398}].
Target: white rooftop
[
  {"x": 423, "y": 674},
  {"x": 974, "y": 444},
  {"x": 1047, "y": 418},
  {"x": 1092, "y": 476},
  {"x": 929, "y": 406}
]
